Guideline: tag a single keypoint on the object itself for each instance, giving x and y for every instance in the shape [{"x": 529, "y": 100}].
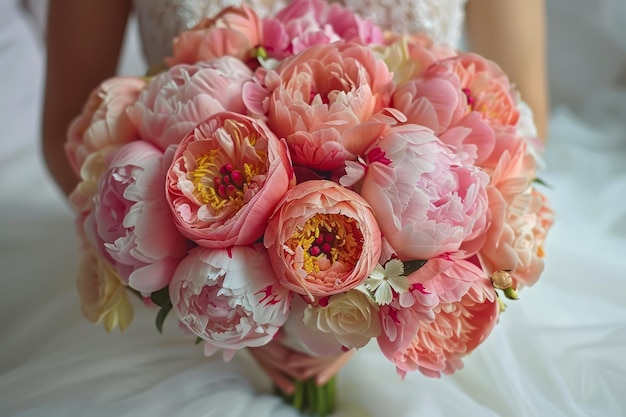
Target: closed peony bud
[{"x": 501, "y": 280}]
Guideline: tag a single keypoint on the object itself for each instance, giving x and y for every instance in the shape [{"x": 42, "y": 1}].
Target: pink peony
[
  {"x": 323, "y": 101},
  {"x": 175, "y": 101},
  {"x": 305, "y": 23},
  {"x": 520, "y": 220},
  {"x": 486, "y": 87},
  {"x": 235, "y": 31},
  {"x": 323, "y": 239},
  {"x": 436, "y": 103},
  {"x": 466, "y": 314},
  {"x": 229, "y": 297},
  {"x": 103, "y": 121},
  {"x": 428, "y": 200},
  {"x": 132, "y": 220},
  {"x": 226, "y": 179}
]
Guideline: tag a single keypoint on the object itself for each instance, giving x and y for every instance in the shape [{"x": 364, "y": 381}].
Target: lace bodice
[{"x": 161, "y": 20}]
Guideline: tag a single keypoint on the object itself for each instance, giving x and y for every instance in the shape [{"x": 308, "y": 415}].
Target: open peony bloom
[
  {"x": 323, "y": 102},
  {"x": 304, "y": 23},
  {"x": 428, "y": 200},
  {"x": 178, "y": 99},
  {"x": 227, "y": 177},
  {"x": 235, "y": 31},
  {"x": 323, "y": 239},
  {"x": 133, "y": 222},
  {"x": 229, "y": 297},
  {"x": 520, "y": 219},
  {"x": 466, "y": 314},
  {"x": 103, "y": 121},
  {"x": 103, "y": 296}
]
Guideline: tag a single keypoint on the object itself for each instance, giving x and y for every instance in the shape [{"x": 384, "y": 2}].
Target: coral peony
[
  {"x": 133, "y": 223},
  {"x": 304, "y": 23},
  {"x": 229, "y": 297},
  {"x": 323, "y": 239},
  {"x": 486, "y": 87},
  {"x": 236, "y": 31},
  {"x": 520, "y": 219},
  {"x": 428, "y": 200},
  {"x": 103, "y": 121},
  {"x": 226, "y": 179},
  {"x": 323, "y": 101},
  {"x": 466, "y": 314},
  {"x": 175, "y": 101}
]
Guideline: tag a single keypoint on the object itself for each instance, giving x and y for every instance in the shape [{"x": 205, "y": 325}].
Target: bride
[{"x": 556, "y": 353}]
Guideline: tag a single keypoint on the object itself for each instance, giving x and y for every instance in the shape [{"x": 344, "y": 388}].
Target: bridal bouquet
[{"x": 301, "y": 184}]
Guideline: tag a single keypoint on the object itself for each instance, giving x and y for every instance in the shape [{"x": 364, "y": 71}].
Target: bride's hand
[
  {"x": 513, "y": 34},
  {"x": 84, "y": 39}
]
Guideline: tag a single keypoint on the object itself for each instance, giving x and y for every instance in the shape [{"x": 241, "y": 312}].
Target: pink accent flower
[
  {"x": 235, "y": 31},
  {"x": 323, "y": 101},
  {"x": 175, "y": 101},
  {"x": 226, "y": 179},
  {"x": 229, "y": 297},
  {"x": 103, "y": 121},
  {"x": 305, "y": 23},
  {"x": 323, "y": 239},
  {"x": 520, "y": 219},
  {"x": 466, "y": 314},
  {"x": 132, "y": 220},
  {"x": 428, "y": 200}
]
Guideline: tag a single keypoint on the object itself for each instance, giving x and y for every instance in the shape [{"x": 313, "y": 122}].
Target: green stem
[{"x": 312, "y": 399}]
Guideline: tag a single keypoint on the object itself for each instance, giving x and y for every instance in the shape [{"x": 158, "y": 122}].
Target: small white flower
[{"x": 382, "y": 281}]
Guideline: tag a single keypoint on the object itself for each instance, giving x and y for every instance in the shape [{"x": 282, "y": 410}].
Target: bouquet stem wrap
[{"x": 306, "y": 382}]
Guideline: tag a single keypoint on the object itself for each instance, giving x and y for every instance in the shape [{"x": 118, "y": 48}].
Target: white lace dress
[
  {"x": 161, "y": 20},
  {"x": 559, "y": 352}
]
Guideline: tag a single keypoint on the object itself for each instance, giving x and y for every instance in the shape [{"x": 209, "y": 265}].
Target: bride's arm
[
  {"x": 84, "y": 39},
  {"x": 513, "y": 34}
]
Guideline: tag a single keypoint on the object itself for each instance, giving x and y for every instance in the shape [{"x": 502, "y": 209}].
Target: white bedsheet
[{"x": 560, "y": 351}]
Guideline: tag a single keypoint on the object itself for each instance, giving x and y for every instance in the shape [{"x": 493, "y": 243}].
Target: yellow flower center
[
  {"x": 327, "y": 239},
  {"x": 219, "y": 182}
]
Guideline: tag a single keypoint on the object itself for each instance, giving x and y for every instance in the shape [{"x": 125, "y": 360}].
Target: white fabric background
[{"x": 560, "y": 351}]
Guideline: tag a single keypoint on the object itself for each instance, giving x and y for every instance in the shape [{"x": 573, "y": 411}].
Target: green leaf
[
  {"x": 198, "y": 341},
  {"x": 162, "y": 314},
  {"x": 412, "y": 266},
  {"x": 161, "y": 297},
  {"x": 542, "y": 182}
]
